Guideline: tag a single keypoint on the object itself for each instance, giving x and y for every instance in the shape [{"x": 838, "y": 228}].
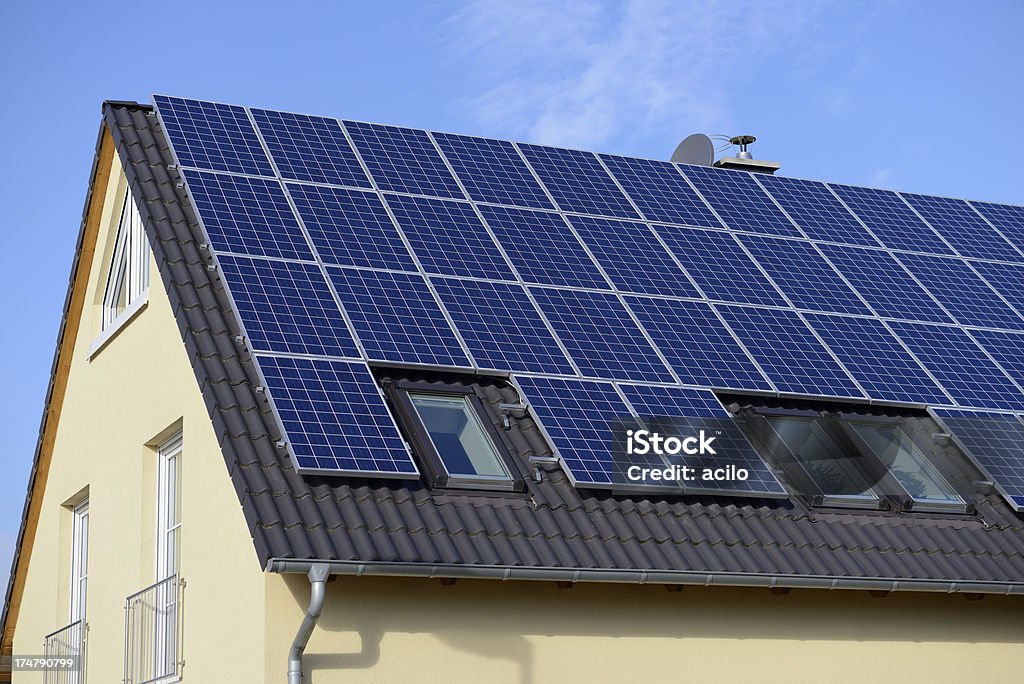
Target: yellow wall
[{"x": 116, "y": 404}]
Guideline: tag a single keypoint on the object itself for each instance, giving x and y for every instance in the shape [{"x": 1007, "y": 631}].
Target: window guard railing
[
  {"x": 153, "y": 633},
  {"x": 65, "y": 644}
]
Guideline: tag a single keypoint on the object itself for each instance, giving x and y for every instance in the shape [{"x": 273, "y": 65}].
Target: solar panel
[
  {"x": 740, "y": 201},
  {"x": 578, "y": 182},
  {"x": 877, "y": 360},
  {"x": 1006, "y": 279},
  {"x": 891, "y": 220},
  {"x": 632, "y": 257},
  {"x": 719, "y": 266},
  {"x": 600, "y": 335},
  {"x": 449, "y": 238},
  {"x": 817, "y": 211},
  {"x": 542, "y": 248},
  {"x": 963, "y": 228},
  {"x": 995, "y": 442},
  {"x": 310, "y": 148},
  {"x": 334, "y": 418},
  {"x": 1007, "y": 218},
  {"x": 692, "y": 408},
  {"x": 579, "y": 417},
  {"x": 286, "y": 307},
  {"x": 501, "y": 326},
  {"x": 885, "y": 284},
  {"x": 247, "y": 215},
  {"x": 403, "y": 160},
  {"x": 218, "y": 137},
  {"x": 698, "y": 346},
  {"x": 1006, "y": 348},
  {"x": 960, "y": 366},
  {"x": 788, "y": 352},
  {"x": 397, "y": 318},
  {"x": 660, "y": 191},
  {"x": 962, "y": 292},
  {"x": 804, "y": 276},
  {"x": 350, "y": 227},
  {"x": 492, "y": 171}
]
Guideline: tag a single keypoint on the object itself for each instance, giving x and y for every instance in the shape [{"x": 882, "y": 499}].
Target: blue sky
[{"x": 920, "y": 96}]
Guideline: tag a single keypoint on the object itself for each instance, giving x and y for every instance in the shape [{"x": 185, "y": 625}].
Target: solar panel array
[
  {"x": 995, "y": 442},
  {"x": 358, "y": 243}
]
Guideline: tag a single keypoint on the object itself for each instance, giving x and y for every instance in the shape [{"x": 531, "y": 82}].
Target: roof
[{"x": 402, "y": 527}]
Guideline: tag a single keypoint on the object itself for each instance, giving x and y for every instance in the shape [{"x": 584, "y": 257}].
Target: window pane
[
  {"x": 832, "y": 470},
  {"x": 458, "y": 436},
  {"x": 906, "y": 462}
]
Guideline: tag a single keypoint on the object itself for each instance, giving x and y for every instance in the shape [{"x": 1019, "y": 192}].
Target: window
[
  {"x": 128, "y": 278},
  {"x": 79, "y": 560},
  {"x": 168, "y": 508},
  {"x": 447, "y": 426}
]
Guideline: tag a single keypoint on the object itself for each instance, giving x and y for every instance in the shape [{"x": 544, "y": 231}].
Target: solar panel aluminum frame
[{"x": 975, "y": 461}]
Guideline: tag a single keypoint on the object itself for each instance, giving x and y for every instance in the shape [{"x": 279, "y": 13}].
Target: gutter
[
  {"x": 318, "y": 574},
  {"x": 681, "y": 577}
]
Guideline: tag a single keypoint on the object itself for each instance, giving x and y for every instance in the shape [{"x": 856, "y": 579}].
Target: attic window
[{"x": 128, "y": 277}]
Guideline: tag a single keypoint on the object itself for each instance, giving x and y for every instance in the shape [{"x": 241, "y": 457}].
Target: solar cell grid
[
  {"x": 350, "y": 227},
  {"x": 397, "y": 318},
  {"x": 995, "y": 442},
  {"x": 804, "y": 276},
  {"x": 1006, "y": 279},
  {"x": 310, "y": 148},
  {"x": 632, "y": 257},
  {"x": 578, "y": 182},
  {"x": 788, "y": 352},
  {"x": 960, "y": 366},
  {"x": 403, "y": 160},
  {"x": 448, "y": 237},
  {"x": 660, "y": 191},
  {"x": 1006, "y": 348},
  {"x": 492, "y": 171},
  {"x": 817, "y": 211},
  {"x": 247, "y": 215},
  {"x": 542, "y": 248},
  {"x": 891, "y": 220},
  {"x": 501, "y": 327},
  {"x": 963, "y": 228},
  {"x": 1009, "y": 219},
  {"x": 212, "y": 136},
  {"x": 740, "y": 201},
  {"x": 335, "y": 418}
]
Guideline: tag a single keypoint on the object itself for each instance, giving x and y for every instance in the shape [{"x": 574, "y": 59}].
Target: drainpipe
[{"x": 318, "y": 574}]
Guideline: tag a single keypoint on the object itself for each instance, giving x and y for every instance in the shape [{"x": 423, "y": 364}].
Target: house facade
[{"x": 184, "y": 521}]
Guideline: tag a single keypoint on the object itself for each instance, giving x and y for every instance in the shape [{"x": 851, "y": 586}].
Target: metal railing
[
  {"x": 153, "y": 632},
  {"x": 67, "y": 643}
]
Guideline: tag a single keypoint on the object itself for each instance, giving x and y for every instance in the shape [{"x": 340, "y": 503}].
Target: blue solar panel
[
  {"x": 334, "y": 418},
  {"x": 877, "y": 359},
  {"x": 542, "y": 248},
  {"x": 1006, "y": 279},
  {"x": 501, "y": 326},
  {"x": 891, "y": 220},
  {"x": 350, "y": 227},
  {"x": 719, "y": 266},
  {"x": 817, "y": 211},
  {"x": 960, "y": 366},
  {"x": 693, "y": 407},
  {"x": 600, "y": 335},
  {"x": 403, "y": 160},
  {"x": 578, "y": 416},
  {"x": 995, "y": 442},
  {"x": 885, "y": 284},
  {"x": 310, "y": 148},
  {"x": 963, "y": 228},
  {"x": 287, "y": 307},
  {"x": 804, "y": 276},
  {"x": 1009, "y": 219},
  {"x": 962, "y": 291},
  {"x": 660, "y": 191},
  {"x": 449, "y": 238},
  {"x": 697, "y": 344},
  {"x": 632, "y": 257},
  {"x": 740, "y": 201},
  {"x": 788, "y": 352},
  {"x": 492, "y": 171},
  {"x": 247, "y": 215},
  {"x": 578, "y": 182},
  {"x": 397, "y": 318},
  {"x": 212, "y": 136},
  {"x": 1006, "y": 348}
]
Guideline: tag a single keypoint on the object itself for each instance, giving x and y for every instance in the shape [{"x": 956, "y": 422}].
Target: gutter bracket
[{"x": 318, "y": 574}]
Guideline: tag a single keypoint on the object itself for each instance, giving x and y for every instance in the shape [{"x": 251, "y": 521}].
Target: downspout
[{"x": 318, "y": 574}]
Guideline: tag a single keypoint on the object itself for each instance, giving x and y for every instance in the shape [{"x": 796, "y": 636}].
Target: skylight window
[{"x": 128, "y": 278}]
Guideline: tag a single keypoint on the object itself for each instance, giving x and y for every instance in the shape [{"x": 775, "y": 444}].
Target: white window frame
[
  {"x": 168, "y": 508},
  {"x": 79, "y": 560}
]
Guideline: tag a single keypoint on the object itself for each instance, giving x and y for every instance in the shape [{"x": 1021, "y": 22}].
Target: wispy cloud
[{"x": 582, "y": 73}]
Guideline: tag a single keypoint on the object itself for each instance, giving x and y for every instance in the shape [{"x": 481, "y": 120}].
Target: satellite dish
[{"x": 695, "y": 149}]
